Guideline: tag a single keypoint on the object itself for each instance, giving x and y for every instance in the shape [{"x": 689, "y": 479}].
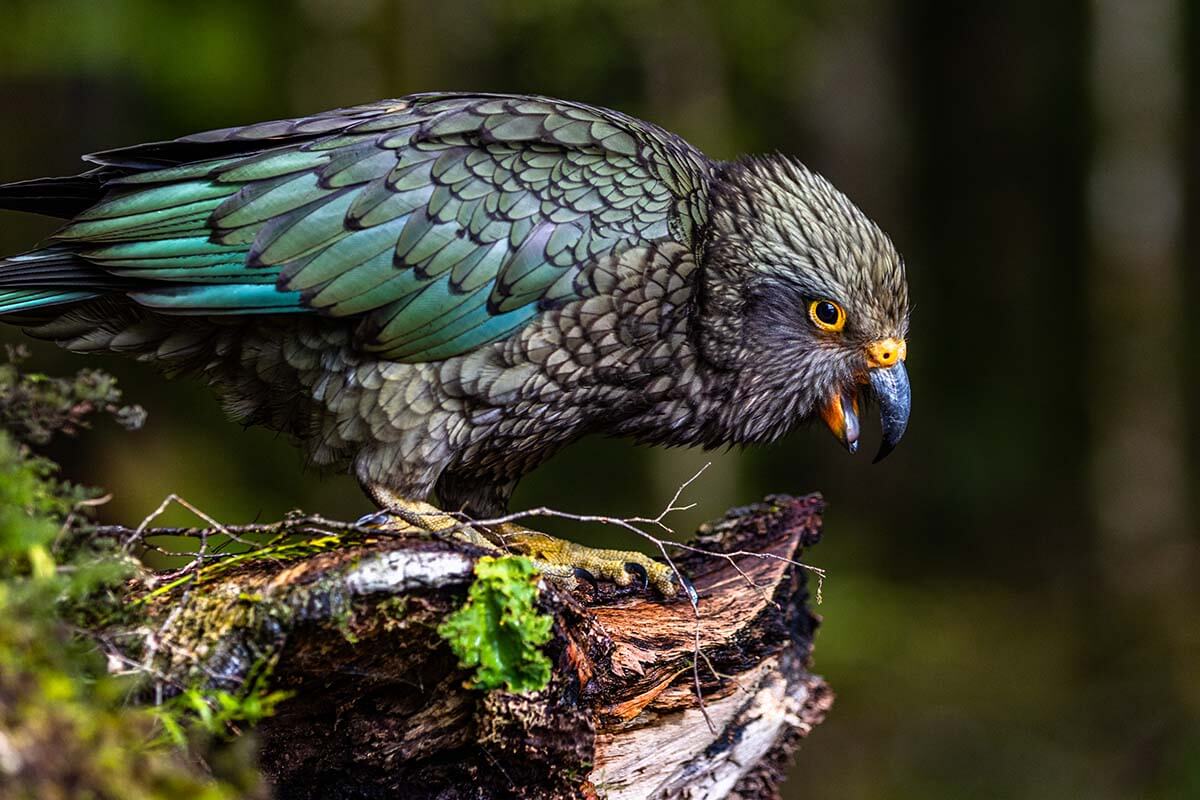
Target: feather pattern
[
  {"x": 433, "y": 224},
  {"x": 442, "y": 290}
]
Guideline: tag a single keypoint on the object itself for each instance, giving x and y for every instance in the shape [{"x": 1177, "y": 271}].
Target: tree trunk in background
[
  {"x": 683, "y": 92},
  {"x": 1139, "y": 477}
]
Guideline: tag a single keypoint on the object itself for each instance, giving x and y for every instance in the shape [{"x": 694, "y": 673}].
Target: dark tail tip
[{"x": 55, "y": 197}]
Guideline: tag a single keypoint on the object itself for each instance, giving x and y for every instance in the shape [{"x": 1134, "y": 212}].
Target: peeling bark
[{"x": 381, "y": 709}]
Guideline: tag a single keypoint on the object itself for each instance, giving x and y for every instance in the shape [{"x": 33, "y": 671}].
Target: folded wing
[{"x": 434, "y": 224}]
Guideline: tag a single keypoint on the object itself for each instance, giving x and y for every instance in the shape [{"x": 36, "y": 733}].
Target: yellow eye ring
[{"x": 827, "y": 315}]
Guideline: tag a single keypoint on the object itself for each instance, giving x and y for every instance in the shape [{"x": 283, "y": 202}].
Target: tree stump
[{"x": 380, "y": 708}]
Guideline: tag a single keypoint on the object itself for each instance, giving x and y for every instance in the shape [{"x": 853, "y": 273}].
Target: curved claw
[
  {"x": 633, "y": 568},
  {"x": 690, "y": 588},
  {"x": 582, "y": 574},
  {"x": 375, "y": 519}
]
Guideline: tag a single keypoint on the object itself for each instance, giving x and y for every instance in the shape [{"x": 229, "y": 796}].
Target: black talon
[
  {"x": 690, "y": 589},
  {"x": 374, "y": 518},
  {"x": 634, "y": 568},
  {"x": 583, "y": 575}
]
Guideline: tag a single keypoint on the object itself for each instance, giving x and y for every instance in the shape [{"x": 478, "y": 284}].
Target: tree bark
[{"x": 380, "y": 707}]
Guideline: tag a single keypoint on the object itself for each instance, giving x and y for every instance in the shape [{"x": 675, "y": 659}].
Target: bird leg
[
  {"x": 402, "y": 515},
  {"x": 559, "y": 560}
]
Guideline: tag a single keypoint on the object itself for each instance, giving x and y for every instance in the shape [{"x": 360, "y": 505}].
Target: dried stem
[{"x": 297, "y": 524}]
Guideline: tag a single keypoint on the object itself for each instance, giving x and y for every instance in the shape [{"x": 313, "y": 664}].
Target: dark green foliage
[
  {"x": 196, "y": 713},
  {"x": 498, "y": 630},
  {"x": 35, "y": 406},
  {"x": 65, "y": 730}
]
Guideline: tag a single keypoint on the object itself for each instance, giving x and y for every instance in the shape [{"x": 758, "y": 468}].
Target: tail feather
[
  {"x": 49, "y": 267},
  {"x": 53, "y": 277},
  {"x": 58, "y": 197},
  {"x": 25, "y": 300}
]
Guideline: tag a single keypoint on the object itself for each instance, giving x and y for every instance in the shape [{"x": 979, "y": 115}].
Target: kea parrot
[{"x": 439, "y": 291}]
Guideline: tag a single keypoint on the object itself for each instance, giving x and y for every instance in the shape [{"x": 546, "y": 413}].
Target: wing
[{"x": 436, "y": 223}]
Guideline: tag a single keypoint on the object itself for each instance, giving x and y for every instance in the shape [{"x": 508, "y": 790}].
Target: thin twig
[{"x": 313, "y": 525}]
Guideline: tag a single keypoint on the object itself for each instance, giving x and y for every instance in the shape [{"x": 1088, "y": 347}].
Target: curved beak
[
  {"x": 889, "y": 382},
  {"x": 894, "y": 396}
]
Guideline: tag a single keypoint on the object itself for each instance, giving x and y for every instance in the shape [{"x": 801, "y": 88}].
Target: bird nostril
[{"x": 885, "y": 353}]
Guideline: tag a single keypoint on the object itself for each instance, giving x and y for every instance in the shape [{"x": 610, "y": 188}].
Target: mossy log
[{"x": 380, "y": 707}]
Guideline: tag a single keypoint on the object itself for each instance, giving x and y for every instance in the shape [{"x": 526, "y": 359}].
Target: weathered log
[{"x": 380, "y": 707}]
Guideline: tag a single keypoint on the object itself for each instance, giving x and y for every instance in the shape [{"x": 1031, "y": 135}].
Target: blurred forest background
[{"x": 1013, "y": 597}]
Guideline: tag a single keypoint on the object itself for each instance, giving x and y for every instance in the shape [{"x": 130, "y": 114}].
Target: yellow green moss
[{"x": 499, "y": 631}]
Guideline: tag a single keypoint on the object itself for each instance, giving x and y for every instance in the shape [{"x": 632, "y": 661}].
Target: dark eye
[{"x": 827, "y": 315}]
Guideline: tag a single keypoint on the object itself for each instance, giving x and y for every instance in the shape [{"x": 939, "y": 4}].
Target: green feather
[
  {"x": 303, "y": 231},
  {"x": 530, "y": 256},
  {"x": 26, "y": 299},
  {"x": 164, "y": 250},
  {"x": 346, "y": 256},
  {"x": 479, "y": 268},
  {"x": 134, "y": 225},
  {"x": 358, "y": 166},
  {"x": 230, "y": 298},
  {"x": 259, "y": 203},
  {"x": 415, "y": 230},
  {"x": 387, "y": 206},
  {"x": 410, "y": 176},
  {"x": 453, "y": 122},
  {"x": 450, "y": 254},
  {"x": 448, "y": 221},
  {"x": 415, "y": 331},
  {"x": 433, "y": 301},
  {"x": 183, "y": 172},
  {"x": 156, "y": 198},
  {"x": 372, "y": 285},
  {"x": 492, "y": 329},
  {"x": 272, "y": 165}
]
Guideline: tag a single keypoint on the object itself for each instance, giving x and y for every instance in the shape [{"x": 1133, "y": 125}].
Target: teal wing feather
[{"x": 436, "y": 223}]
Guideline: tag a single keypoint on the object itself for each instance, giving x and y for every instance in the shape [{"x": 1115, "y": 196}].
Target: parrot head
[{"x": 805, "y": 300}]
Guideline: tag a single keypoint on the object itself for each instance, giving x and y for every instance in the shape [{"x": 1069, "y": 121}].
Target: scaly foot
[
  {"x": 562, "y": 561},
  {"x": 417, "y": 516},
  {"x": 567, "y": 561}
]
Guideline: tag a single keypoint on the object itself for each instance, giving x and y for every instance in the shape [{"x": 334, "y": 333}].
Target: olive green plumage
[{"x": 442, "y": 290}]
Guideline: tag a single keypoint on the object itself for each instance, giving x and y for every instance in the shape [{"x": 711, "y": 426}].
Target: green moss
[
  {"x": 393, "y": 611},
  {"x": 343, "y": 619},
  {"x": 65, "y": 727},
  {"x": 282, "y": 549},
  {"x": 499, "y": 631},
  {"x": 63, "y": 719}
]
